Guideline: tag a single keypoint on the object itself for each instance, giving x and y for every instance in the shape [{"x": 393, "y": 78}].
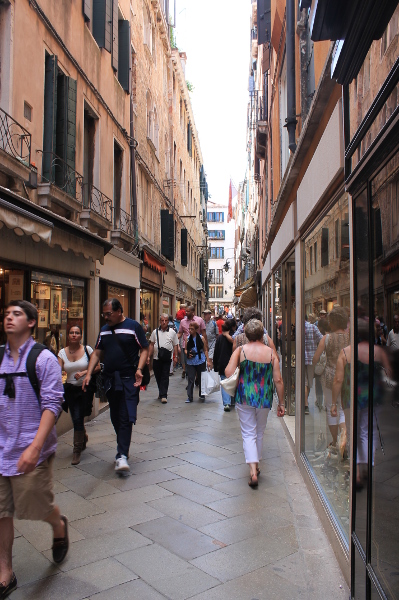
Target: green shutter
[
  {"x": 324, "y": 247},
  {"x": 125, "y": 56},
  {"x": 171, "y": 237},
  {"x": 115, "y": 36},
  {"x": 102, "y": 21},
  {"x": 50, "y": 116},
  {"x": 165, "y": 232},
  {"x": 184, "y": 247},
  {"x": 71, "y": 85}
]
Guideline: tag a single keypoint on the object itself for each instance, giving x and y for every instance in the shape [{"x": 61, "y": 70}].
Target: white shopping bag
[{"x": 210, "y": 382}]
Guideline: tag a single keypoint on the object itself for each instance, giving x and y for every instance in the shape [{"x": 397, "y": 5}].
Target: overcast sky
[{"x": 215, "y": 34}]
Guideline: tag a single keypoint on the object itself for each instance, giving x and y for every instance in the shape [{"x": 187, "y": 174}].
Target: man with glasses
[
  {"x": 163, "y": 345},
  {"x": 28, "y": 438},
  {"x": 125, "y": 348}
]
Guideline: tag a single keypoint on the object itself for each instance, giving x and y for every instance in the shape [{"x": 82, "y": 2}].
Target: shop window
[
  {"x": 60, "y": 302},
  {"x": 12, "y": 287},
  {"x": 149, "y": 310},
  {"x": 326, "y": 441}
]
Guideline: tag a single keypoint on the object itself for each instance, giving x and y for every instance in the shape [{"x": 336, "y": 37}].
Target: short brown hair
[
  {"x": 29, "y": 309},
  {"x": 254, "y": 330},
  {"x": 194, "y": 324},
  {"x": 338, "y": 318}
]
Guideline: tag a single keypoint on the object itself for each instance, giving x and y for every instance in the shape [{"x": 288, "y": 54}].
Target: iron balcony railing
[
  {"x": 97, "y": 201},
  {"x": 57, "y": 172},
  {"x": 126, "y": 223},
  {"x": 14, "y": 139}
]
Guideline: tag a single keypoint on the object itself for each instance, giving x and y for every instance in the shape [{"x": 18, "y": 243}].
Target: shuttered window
[
  {"x": 345, "y": 237},
  {"x": 102, "y": 23},
  {"x": 167, "y": 235},
  {"x": 87, "y": 10},
  {"x": 189, "y": 140},
  {"x": 264, "y": 21},
  {"x": 125, "y": 56},
  {"x": 50, "y": 116},
  {"x": 115, "y": 36},
  {"x": 184, "y": 247},
  {"x": 324, "y": 246}
]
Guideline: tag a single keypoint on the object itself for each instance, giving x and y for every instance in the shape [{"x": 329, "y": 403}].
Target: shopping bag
[{"x": 210, "y": 382}]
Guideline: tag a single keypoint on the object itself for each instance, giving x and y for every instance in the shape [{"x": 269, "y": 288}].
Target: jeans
[
  {"x": 192, "y": 371},
  {"x": 120, "y": 420},
  {"x": 161, "y": 372},
  {"x": 76, "y": 405},
  {"x": 227, "y": 399}
]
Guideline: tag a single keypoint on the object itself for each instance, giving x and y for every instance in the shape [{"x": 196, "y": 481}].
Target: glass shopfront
[
  {"x": 12, "y": 287},
  {"x": 126, "y": 296},
  {"x": 376, "y": 355},
  {"x": 327, "y": 383},
  {"x": 149, "y": 310}
]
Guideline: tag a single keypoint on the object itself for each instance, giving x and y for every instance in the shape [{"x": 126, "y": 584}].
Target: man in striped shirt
[
  {"x": 28, "y": 439},
  {"x": 125, "y": 348}
]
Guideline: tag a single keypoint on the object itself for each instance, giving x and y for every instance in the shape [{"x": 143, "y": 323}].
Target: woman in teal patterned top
[{"x": 259, "y": 371}]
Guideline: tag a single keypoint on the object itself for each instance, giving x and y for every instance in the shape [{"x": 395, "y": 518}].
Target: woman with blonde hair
[{"x": 259, "y": 372}]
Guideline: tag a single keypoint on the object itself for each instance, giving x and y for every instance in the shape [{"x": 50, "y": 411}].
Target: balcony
[
  {"x": 61, "y": 187},
  {"x": 15, "y": 142},
  {"x": 261, "y": 127},
  {"x": 97, "y": 210},
  {"x": 125, "y": 232}
]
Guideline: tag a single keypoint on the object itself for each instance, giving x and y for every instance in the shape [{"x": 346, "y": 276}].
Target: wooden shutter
[
  {"x": 324, "y": 246},
  {"x": 70, "y": 93},
  {"x": 125, "y": 56},
  {"x": 102, "y": 21},
  {"x": 115, "y": 36},
  {"x": 87, "y": 10},
  {"x": 264, "y": 21},
  {"x": 201, "y": 269},
  {"x": 184, "y": 247},
  {"x": 171, "y": 237},
  {"x": 50, "y": 116},
  {"x": 165, "y": 234},
  {"x": 345, "y": 238}
]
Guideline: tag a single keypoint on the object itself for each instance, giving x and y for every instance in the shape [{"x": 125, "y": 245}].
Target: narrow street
[{"x": 185, "y": 523}]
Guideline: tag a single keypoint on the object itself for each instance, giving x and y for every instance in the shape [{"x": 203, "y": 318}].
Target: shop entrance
[{"x": 288, "y": 338}]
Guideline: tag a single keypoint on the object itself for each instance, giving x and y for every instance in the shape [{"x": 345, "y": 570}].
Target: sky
[{"x": 215, "y": 34}]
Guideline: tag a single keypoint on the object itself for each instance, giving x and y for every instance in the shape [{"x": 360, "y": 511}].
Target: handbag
[
  {"x": 321, "y": 364},
  {"x": 164, "y": 355},
  {"x": 230, "y": 383}
]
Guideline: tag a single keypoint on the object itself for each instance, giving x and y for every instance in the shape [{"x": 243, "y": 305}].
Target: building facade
[
  {"x": 325, "y": 150},
  {"x": 221, "y": 236}
]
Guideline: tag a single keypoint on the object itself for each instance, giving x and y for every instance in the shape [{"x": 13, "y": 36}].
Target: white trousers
[{"x": 253, "y": 424}]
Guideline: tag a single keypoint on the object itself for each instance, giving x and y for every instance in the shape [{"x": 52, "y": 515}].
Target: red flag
[{"x": 230, "y": 209}]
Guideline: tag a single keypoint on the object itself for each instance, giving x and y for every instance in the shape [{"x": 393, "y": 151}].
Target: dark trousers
[
  {"x": 76, "y": 403},
  {"x": 192, "y": 371},
  {"x": 120, "y": 420},
  {"x": 161, "y": 372}
]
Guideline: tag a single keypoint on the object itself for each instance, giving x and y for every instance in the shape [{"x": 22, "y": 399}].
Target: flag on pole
[{"x": 230, "y": 208}]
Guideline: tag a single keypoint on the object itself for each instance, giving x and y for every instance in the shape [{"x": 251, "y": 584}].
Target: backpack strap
[
  {"x": 2, "y": 350},
  {"x": 31, "y": 367}
]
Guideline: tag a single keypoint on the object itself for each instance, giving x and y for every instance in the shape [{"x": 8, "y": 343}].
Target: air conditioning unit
[{"x": 201, "y": 217}]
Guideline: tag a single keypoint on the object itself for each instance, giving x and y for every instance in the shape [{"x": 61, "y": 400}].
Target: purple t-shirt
[{"x": 20, "y": 416}]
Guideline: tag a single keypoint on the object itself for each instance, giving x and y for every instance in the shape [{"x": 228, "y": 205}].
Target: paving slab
[{"x": 185, "y": 523}]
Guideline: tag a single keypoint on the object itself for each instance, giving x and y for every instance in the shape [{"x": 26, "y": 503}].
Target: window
[
  {"x": 311, "y": 259},
  {"x": 152, "y": 123},
  {"x": 336, "y": 226},
  {"x": 212, "y": 275},
  {"x": 217, "y": 234},
  {"x": 315, "y": 257},
  {"x": 217, "y": 253},
  {"x": 219, "y": 276},
  {"x": 216, "y": 217},
  {"x": 118, "y": 168},
  {"x": 102, "y": 23},
  {"x": 324, "y": 247},
  {"x": 219, "y": 291},
  {"x": 147, "y": 29},
  {"x": 27, "y": 111},
  {"x": 211, "y": 291}
]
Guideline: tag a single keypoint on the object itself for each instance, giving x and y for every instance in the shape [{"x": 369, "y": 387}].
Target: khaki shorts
[
  {"x": 309, "y": 376},
  {"x": 28, "y": 496}
]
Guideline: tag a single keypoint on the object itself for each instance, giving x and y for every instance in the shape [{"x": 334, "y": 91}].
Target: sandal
[
  {"x": 257, "y": 471},
  {"x": 253, "y": 482},
  {"x": 61, "y": 545}
]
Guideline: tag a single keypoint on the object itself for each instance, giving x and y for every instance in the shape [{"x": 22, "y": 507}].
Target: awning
[
  {"x": 24, "y": 223},
  {"x": 248, "y": 298},
  {"x": 390, "y": 264},
  {"x": 244, "y": 286},
  {"x": 153, "y": 263}
]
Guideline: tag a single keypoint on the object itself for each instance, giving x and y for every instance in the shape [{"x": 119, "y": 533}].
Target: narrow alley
[{"x": 185, "y": 523}]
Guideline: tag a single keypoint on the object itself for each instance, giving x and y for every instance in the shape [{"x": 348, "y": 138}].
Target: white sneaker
[
  {"x": 121, "y": 464},
  {"x": 164, "y": 400}
]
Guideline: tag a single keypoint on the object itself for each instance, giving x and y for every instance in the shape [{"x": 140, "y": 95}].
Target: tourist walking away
[
  {"x": 125, "y": 349},
  {"x": 31, "y": 395},
  {"x": 212, "y": 332},
  {"x": 221, "y": 357},
  {"x": 163, "y": 347},
  {"x": 239, "y": 336},
  {"x": 196, "y": 358},
  {"x": 312, "y": 339},
  {"x": 74, "y": 360},
  {"x": 332, "y": 343},
  {"x": 259, "y": 370},
  {"x": 184, "y": 333}
]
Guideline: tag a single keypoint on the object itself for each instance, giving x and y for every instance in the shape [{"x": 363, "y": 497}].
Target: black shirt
[{"x": 131, "y": 337}]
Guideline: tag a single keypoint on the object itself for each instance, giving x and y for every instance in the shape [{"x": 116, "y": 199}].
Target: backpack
[{"x": 30, "y": 367}]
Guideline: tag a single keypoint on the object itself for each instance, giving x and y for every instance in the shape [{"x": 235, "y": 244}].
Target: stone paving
[{"x": 185, "y": 523}]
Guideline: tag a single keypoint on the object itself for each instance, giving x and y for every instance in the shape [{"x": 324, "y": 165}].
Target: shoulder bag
[
  {"x": 164, "y": 355},
  {"x": 230, "y": 383}
]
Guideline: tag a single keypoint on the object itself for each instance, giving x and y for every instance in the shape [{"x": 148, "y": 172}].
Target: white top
[
  {"x": 167, "y": 339},
  {"x": 393, "y": 340},
  {"x": 72, "y": 367}
]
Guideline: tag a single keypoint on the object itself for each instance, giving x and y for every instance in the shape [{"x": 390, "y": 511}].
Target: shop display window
[
  {"x": 327, "y": 328},
  {"x": 12, "y": 287},
  {"x": 60, "y": 302},
  {"x": 149, "y": 311}
]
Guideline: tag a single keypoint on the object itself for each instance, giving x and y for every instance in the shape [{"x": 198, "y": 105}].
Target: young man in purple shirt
[{"x": 28, "y": 439}]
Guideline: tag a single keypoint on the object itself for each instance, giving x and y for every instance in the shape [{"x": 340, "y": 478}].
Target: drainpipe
[
  {"x": 133, "y": 165},
  {"x": 290, "y": 49}
]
